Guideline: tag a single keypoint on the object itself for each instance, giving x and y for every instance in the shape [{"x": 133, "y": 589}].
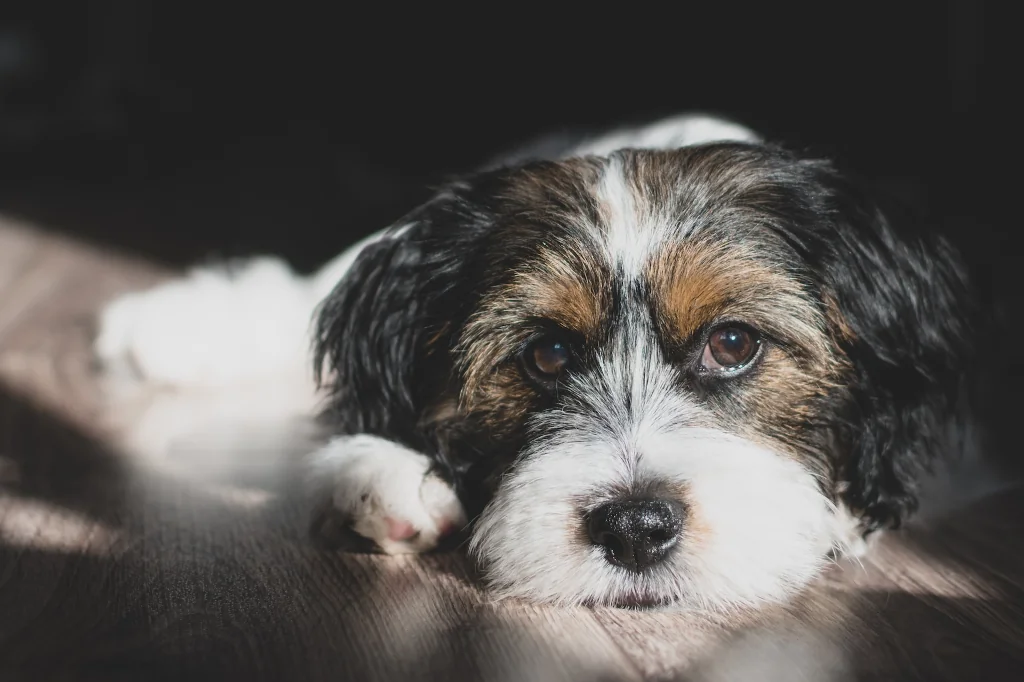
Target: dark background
[
  {"x": 183, "y": 131},
  {"x": 180, "y": 131}
]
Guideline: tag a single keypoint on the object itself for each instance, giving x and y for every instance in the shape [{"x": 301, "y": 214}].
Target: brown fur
[
  {"x": 715, "y": 263},
  {"x": 553, "y": 274}
]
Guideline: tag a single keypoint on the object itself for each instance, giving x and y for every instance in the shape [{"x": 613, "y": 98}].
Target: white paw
[
  {"x": 386, "y": 492},
  {"x": 211, "y": 328},
  {"x": 848, "y": 534}
]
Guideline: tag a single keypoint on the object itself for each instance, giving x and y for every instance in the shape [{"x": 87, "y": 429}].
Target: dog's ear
[
  {"x": 383, "y": 334},
  {"x": 903, "y": 314}
]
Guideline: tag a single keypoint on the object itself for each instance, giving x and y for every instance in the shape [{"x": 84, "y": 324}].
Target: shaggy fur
[{"x": 625, "y": 254}]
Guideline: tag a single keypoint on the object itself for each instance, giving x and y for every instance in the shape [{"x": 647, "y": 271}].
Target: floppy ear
[
  {"x": 383, "y": 334},
  {"x": 904, "y": 317}
]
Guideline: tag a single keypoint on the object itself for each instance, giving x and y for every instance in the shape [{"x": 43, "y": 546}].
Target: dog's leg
[
  {"x": 220, "y": 325},
  {"x": 386, "y": 493},
  {"x": 217, "y": 326}
]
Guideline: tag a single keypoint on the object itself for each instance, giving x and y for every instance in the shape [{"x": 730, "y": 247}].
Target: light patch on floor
[{"x": 32, "y": 524}]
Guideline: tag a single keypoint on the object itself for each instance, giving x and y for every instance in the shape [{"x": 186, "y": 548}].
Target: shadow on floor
[{"x": 113, "y": 571}]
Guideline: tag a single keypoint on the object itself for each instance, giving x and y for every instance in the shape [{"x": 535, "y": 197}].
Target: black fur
[
  {"x": 907, "y": 299},
  {"x": 388, "y": 327},
  {"x": 386, "y": 330}
]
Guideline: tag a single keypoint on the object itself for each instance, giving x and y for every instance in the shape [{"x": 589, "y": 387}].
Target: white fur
[
  {"x": 764, "y": 528},
  {"x": 215, "y": 327},
  {"x": 759, "y": 526},
  {"x": 669, "y": 133},
  {"x": 220, "y": 326},
  {"x": 849, "y": 533},
  {"x": 628, "y": 237},
  {"x": 378, "y": 483}
]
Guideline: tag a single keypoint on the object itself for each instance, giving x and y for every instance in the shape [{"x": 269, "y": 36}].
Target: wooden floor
[{"x": 126, "y": 554}]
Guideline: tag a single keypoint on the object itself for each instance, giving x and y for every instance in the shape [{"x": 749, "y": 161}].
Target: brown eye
[
  {"x": 551, "y": 357},
  {"x": 546, "y": 360},
  {"x": 729, "y": 348}
]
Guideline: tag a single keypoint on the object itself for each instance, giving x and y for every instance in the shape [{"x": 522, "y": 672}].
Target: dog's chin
[
  {"x": 635, "y": 597},
  {"x": 666, "y": 592}
]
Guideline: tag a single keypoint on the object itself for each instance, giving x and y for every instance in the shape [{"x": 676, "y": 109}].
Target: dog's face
[{"x": 665, "y": 374}]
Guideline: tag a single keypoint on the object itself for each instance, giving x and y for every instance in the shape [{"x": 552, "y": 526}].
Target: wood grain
[{"x": 125, "y": 558}]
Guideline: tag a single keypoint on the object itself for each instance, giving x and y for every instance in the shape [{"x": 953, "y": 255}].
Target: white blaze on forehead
[
  {"x": 630, "y": 233},
  {"x": 631, "y": 236}
]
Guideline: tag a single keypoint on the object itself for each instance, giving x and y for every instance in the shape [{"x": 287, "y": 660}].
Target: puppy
[{"x": 668, "y": 365}]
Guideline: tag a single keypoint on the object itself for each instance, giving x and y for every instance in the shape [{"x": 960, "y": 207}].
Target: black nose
[{"x": 636, "y": 533}]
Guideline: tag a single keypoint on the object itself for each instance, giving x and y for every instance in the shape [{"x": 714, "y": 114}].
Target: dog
[{"x": 672, "y": 365}]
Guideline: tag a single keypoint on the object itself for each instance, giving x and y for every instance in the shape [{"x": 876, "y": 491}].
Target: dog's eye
[
  {"x": 729, "y": 348},
  {"x": 547, "y": 359},
  {"x": 550, "y": 357}
]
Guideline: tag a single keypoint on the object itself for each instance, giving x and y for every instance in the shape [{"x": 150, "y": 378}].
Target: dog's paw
[
  {"x": 212, "y": 328},
  {"x": 386, "y": 493}
]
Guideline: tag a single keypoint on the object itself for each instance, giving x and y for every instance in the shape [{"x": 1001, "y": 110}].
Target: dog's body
[{"x": 666, "y": 365}]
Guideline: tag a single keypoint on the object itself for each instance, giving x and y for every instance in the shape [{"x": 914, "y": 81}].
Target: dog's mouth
[
  {"x": 636, "y": 600},
  {"x": 641, "y": 602}
]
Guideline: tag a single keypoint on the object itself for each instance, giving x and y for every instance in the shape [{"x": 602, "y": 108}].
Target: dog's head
[{"x": 663, "y": 376}]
